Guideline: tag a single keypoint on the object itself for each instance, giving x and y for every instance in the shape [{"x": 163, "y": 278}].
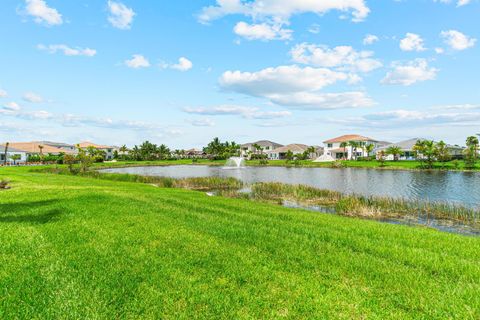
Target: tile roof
[
  {"x": 86, "y": 144},
  {"x": 34, "y": 147},
  {"x": 349, "y": 137},
  {"x": 296, "y": 147}
]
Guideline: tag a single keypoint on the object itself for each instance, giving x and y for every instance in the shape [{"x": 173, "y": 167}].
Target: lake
[{"x": 457, "y": 187}]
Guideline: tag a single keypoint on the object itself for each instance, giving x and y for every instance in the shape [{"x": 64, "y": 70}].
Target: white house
[
  {"x": 266, "y": 146},
  {"x": 340, "y": 147},
  {"x": 10, "y": 153},
  {"x": 409, "y": 154}
]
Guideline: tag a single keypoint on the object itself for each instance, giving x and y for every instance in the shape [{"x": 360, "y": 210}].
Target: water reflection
[{"x": 458, "y": 187}]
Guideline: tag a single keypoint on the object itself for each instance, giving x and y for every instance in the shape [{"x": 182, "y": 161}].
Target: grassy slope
[{"x": 75, "y": 247}]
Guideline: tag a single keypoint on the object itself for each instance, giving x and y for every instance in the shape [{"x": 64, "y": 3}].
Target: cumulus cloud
[
  {"x": 245, "y": 112},
  {"x": 12, "y": 106},
  {"x": 370, "y": 39},
  {"x": 3, "y": 93},
  {"x": 410, "y": 73},
  {"x": 282, "y": 10},
  {"x": 457, "y": 40},
  {"x": 66, "y": 50},
  {"x": 32, "y": 97},
  {"x": 121, "y": 16},
  {"x": 412, "y": 42},
  {"x": 42, "y": 13},
  {"x": 183, "y": 65},
  {"x": 294, "y": 86},
  {"x": 262, "y": 31},
  {"x": 13, "y": 109},
  {"x": 137, "y": 61},
  {"x": 342, "y": 56}
]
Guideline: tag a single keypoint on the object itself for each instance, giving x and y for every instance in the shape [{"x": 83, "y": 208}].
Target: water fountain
[{"x": 235, "y": 162}]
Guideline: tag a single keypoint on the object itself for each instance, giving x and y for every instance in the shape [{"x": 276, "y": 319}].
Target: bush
[{"x": 4, "y": 184}]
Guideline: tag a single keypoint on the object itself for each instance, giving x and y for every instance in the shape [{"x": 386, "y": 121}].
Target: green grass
[{"x": 82, "y": 248}]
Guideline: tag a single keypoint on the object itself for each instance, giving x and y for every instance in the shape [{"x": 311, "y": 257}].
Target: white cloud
[
  {"x": 183, "y": 64},
  {"x": 121, "y": 16},
  {"x": 3, "y": 93},
  {"x": 457, "y": 40},
  {"x": 410, "y": 73},
  {"x": 460, "y": 3},
  {"x": 245, "y": 112},
  {"x": 370, "y": 39},
  {"x": 412, "y": 42},
  {"x": 439, "y": 50},
  {"x": 68, "y": 51},
  {"x": 42, "y": 13},
  {"x": 32, "y": 97},
  {"x": 206, "y": 122},
  {"x": 262, "y": 31},
  {"x": 295, "y": 87},
  {"x": 137, "y": 61},
  {"x": 342, "y": 56},
  {"x": 282, "y": 10},
  {"x": 314, "y": 28}
]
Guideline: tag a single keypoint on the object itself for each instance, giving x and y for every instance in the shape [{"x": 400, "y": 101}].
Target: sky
[{"x": 291, "y": 71}]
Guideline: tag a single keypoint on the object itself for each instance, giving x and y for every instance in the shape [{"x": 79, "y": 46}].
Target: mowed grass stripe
[{"x": 128, "y": 250}]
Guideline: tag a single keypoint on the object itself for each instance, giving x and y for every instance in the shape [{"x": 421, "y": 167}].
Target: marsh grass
[
  {"x": 199, "y": 184},
  {"x": 361, "y": 206}
]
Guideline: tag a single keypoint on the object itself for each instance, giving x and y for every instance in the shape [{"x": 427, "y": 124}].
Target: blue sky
[{"x": 293, "y": 71}]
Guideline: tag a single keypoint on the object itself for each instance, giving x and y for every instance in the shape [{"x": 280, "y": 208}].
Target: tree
[
  {"x": 85, "y": 159},
  {"x": 69, "y": 160},
  {"x": 42, "y": 159},
  {"x": 289, "y": 156},
  {"x": 344, "y": 145},
  {"x": 369, "y": 148},
  {"x": 381, "y": 158},
  {"x": 425, "y": 152},
  {"x": 354, "y": 145},
  {"x": 163, "y": 152},
  {"x": 395, "y": 151},
  {"x": 221, "y": 151},
  {"x": 15, "y": 157},
  {"x": 442, "y": 153},
  {"x": 6, "y": 152},
  {"x": 472, "y": 143}
]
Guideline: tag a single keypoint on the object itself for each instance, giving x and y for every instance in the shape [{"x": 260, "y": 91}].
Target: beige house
[
  {"x": 109, "y": 150},
  {"x": 249, "y": 148}
]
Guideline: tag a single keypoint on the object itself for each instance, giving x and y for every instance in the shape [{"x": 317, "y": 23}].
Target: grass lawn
[{"x": 73, "y": 247}]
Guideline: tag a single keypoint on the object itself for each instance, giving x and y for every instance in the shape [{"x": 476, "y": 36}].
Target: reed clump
[{"x": 362, "y": 206}]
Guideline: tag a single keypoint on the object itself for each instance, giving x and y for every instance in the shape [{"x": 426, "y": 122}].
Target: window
[{"x": 330, "y": 145}]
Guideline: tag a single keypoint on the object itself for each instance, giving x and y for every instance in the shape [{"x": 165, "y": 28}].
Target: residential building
[
  {"x": 60, "y": 145},
  {"x": 340, "y": 148},
  {"x": 296, "y": 148},
  {"x": 109, "y": 150},
  {"x": 408, "y": 153},
  {"x": 36, "y": 148},
  {"x": 266, "y": 146},
  {"x": 11, "y": 152},
  {"x": 195, "y": 153}
]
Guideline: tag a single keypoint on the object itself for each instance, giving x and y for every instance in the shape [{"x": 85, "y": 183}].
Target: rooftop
[
  {"x": 296, "y": 147},
  {"x": 349, "y": 137},
  {"x": 263, "y": 143},
  {"x": 36, "y": 147},
  {"x": 86, "y": 144}
]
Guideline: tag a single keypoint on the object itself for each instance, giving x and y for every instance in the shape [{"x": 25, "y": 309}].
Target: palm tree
[
  {"x": 395, "y": 151},
  {"x": 472, "y": 143},
  {"x": 311, "y": 151},
  {"x": 40, "y": 147},
  {"x": 344, "y": 145},
  {"x": 123, "y": 149},
  {"x": 369, "y": 148},
  {"x": 354, "y": 145},
  {"x": 425, "y": 151},
  {"x": 6, "y": 151},
  {"x": 15, "y": 157}
]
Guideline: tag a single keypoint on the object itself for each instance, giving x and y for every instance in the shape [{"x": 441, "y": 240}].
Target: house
[
  {"x": 296, "y": 148},
  {"x": 266, "y": 146},
  {"x": 109, "y": 150},
  {"x": 341, "y": 148},
  {"x": 10, "y": 153},
  {"x": 37, "y": 148},
  {"x": 195, "y": 153},
  {"x": 408, "y": 153},
  {"x": 64, "y": 146}
]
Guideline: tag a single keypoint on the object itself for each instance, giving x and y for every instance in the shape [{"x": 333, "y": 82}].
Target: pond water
[{"x": 455, "y": 187}]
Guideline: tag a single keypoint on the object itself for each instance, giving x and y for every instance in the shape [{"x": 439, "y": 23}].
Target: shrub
[{"x": 4, "y": 184}]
